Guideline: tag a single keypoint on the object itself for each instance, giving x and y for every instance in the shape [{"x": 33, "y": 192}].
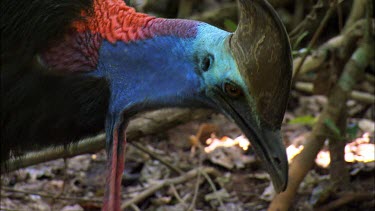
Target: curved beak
[
  {"x": 262, "y": 52},
  {"x": 265, "y": 139},
  {"x": 268, "y": 145}
]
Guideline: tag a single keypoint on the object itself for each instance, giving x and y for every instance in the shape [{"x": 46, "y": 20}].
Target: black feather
[
  {"x": 27, "y": 26},
  {"x": 40, "y": 107},
  {"x": 44, "y": 109}
]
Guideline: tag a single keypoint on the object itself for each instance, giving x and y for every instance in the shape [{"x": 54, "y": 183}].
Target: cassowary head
[{"x": 152, "y": 63}]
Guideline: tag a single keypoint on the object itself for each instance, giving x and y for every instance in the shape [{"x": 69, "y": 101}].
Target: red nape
[
  {"x": 112, "y": 198},
  {"x": 115, "y": 21}
]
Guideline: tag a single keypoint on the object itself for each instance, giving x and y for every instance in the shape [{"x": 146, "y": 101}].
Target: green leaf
[
  {"x": 352, "y": 131},
  {"x": 230, "y": 25},
  {"x": 303, "y": 120},
  {"x": 299, "y": 39},
  {"x": 332, "y": 126}
]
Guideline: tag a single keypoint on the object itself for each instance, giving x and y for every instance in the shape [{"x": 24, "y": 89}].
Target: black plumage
[{"x": 40, "y": 106}]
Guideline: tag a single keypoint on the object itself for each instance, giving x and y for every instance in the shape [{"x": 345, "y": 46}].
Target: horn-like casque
[{"x": 262, "y": 51}]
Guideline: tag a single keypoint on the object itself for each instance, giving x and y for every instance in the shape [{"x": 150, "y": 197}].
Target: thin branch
[
  {"x": 343, "y": 44},
  {"x": 135, "y": 207},
  {"x": 89, "y": 145},
  {"x": 314, "y": 39},
  {"x": 369, "y": 15},
  {"x": 6, "y": 209},
  {"x": 310, "y": 23},
  {"x": 198, "y": 182},
  {"x": 346, "y": 198},
  {"x": 157, "y": 157},
  {"x": 357, "y": 12},
  {"x": 147, "y": 124},
  {"x": 164, "y": 183},
  {"x": 48, "y": 195},
  {"x": 209, "y": 180},
  {"x": 175, "y": 193},
  {"x": 340, "y": 16},
  {"x": 218, "y": 15},
  {"x": 362, "y": 97}
]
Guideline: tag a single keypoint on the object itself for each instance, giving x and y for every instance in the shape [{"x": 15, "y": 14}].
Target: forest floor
[{"x": 236, "y": 174}]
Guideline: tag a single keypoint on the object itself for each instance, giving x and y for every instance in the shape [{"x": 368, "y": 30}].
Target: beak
[
  {"x": 262, "y": 52},
  {"x": 268, "y": 145},
  {"x": 266, "y": 141}
]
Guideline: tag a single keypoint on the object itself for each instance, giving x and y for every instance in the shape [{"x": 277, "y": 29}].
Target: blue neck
[{"x": 144, "y": 75}]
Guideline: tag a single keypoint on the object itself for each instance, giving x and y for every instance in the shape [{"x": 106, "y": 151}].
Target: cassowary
[{"x": 71, "y": 68}]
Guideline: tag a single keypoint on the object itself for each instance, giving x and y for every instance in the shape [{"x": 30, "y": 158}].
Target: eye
[
  {"x": 232, "y": 90},
  {"x": 207, "y": 62}
]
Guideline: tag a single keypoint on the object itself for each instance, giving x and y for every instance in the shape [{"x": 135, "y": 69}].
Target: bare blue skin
[{"x": 166, "y": 71}]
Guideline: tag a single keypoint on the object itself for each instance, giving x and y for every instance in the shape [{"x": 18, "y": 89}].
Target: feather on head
[{"x": 115, "y": 21}]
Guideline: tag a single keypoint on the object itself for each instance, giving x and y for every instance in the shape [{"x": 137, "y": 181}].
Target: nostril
[{"x": 277, "y": 160}]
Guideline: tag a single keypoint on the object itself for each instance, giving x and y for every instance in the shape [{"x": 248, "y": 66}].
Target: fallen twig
[
  {"x": 209, "y": 180},
  {"x": 175, "y": 193},
  {"x": 65, "y": 179},
  {"x": 48, "y": 195},
  {"x": 355, "y": 95},
  {"x": 198, "y": 183},
  {"x": 6, "y": 209},
  {"x": 134, "y": 207},
  {"x": 157, "y": 157},
  {"x": 164, "y": 183}
]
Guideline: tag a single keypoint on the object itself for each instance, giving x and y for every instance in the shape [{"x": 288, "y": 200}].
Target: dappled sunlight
[
  {"x": 292, "y": 151},
  {"x": 359, "y": 150},
  {"x": 323, "y": 159},
  {"x": 225, "y": 141}
]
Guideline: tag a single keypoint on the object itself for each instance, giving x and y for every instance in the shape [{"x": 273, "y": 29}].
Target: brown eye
[{"x": 232, "y": 90}]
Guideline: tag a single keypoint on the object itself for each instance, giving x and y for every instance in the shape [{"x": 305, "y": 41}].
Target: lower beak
[
  {"x": 270, "y": 148},
  {"x": 267, "y": 142}
]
